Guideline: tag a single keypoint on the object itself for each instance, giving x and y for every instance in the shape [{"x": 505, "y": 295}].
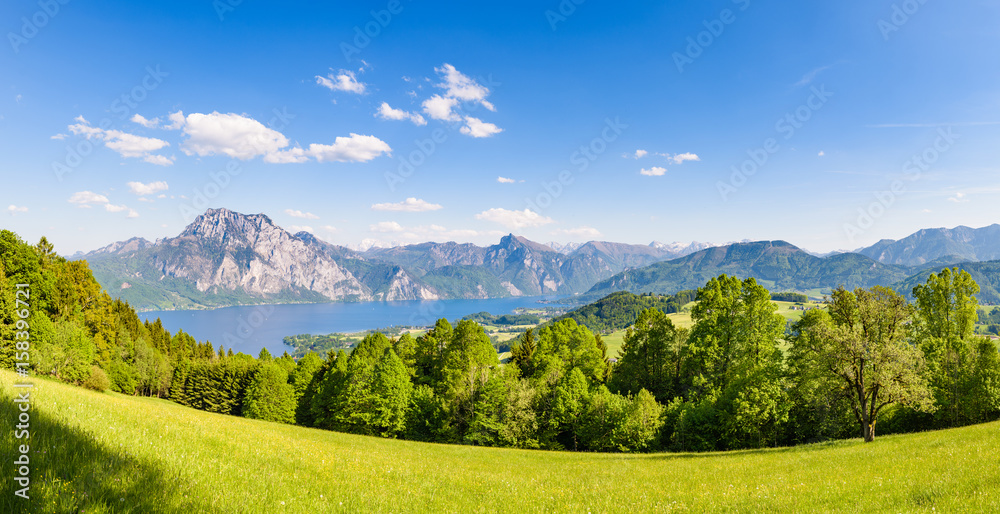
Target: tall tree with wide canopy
[{"x": 864, "y": 342}]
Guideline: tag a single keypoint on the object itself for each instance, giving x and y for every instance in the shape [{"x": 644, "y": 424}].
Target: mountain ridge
[{"x": 227, "y": 258}]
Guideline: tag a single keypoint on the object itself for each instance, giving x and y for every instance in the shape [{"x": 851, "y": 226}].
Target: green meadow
[{"x": 105, "y": 452}]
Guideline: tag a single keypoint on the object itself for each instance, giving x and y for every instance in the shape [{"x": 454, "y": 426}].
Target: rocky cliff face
[{"x": 235, "y": 252}]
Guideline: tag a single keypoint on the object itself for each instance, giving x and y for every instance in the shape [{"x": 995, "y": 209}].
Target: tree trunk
[{"x": 869, "y": 432}]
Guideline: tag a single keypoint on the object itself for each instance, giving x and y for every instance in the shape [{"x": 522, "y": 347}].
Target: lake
[{"x": 248, "y": 329}]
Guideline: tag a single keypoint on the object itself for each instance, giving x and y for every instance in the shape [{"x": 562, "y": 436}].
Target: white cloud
[
  {"x": 822, "y": 153},
  {"x": 343, "y": 80},
  {"x": 408, "y": 205},
  {"x": 234, "y": 135},
  {"x": 138, "y": 188},
  {"x": 59, "y": 136},
  {"x": 505, "y": 180},
  {"x": 680, "y": 158},
  {"x": 295, "y": 229},
  {"x": 386, "y": 226},
  {"x": 138, "y": 118},
  {"x": 127, "y": 145},
  {"x": 514, "y": 219},
  {"x": 292, "y": 155},
  {"x": 655, "y": 171},
  {"x": 439, "y": 108},
  {"x": 85, "y": 198},
  {"x": 132, "y": 214},
  {"x": 958, "y": 198},
  {"x": 460, "y": 86},
  {"x": 356, "y": 148},
  {"x": 388, "y": 113},
  {"x": 639, "y": 154},
  {"x": 130, "y": 145},
  {"x": 176, "y": 120},
  {"x": 115, "y": 208},
  {"x": 159, "y": 160},
  {"x": 477, "y": 128},
  {"x": 300, "y": 214},
  {"x": 578, "y": 232},
  {"x": 13, "y": 209},
  {"x": 329, "y": 228}
]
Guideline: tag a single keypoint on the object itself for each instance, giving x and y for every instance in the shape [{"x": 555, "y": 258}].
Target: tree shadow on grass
[{"x": 73, "y": 472}]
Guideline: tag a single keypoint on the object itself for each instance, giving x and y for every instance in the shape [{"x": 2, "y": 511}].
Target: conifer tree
[
  {"x": 391, "y": 390},
  {"x": 270, "y": 397}
]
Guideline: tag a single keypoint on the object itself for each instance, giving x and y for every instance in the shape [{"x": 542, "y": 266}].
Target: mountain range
[
  {"x": 959, "y": 244},
  {"x": 226, "y": 258}
]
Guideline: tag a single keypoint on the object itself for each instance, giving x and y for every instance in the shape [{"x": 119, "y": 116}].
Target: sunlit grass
[{"x": 95, "y": 452}]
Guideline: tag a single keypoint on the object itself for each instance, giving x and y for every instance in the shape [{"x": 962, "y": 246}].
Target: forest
[{"x": 739, "y": 378}]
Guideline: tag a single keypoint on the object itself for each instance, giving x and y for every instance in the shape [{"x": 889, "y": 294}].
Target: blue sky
[{"x": 828, "y": 125}]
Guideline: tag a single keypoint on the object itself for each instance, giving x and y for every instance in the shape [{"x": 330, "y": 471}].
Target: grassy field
[{"x": 101, "y": 452}]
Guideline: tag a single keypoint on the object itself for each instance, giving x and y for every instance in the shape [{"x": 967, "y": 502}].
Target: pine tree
[
  {"x": 178, "y": 385},
  {"x": 391, "y": 390},
  {"x": 522, "y": 353}
]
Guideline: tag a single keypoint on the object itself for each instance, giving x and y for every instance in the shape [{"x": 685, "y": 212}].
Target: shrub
[{"x": 98, "y": 380}]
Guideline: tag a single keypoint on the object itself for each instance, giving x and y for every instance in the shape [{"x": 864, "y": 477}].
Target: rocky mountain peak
[
  {"x": 224, "y": 226},
  {"x": 123, "y": 247},
  {"x": 512, "y": 243}
]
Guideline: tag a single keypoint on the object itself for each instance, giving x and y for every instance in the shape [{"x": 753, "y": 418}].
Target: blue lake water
[{"x": 248, "y": 329}]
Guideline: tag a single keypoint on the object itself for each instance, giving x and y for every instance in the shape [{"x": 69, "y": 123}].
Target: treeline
[
  {"x": 304, "y": 344},
  {"x": 485, "y": 318},
  {"x": 790, "y": 297},
  {"x": 620, "y": 310}
]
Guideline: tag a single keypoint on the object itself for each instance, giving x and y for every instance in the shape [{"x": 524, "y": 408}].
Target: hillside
[
  {"x": 777, "y": 265},
  {"x": 986, "y": 274},
  {"x": 959, "y": 244},
  {"x": 620, "y": 310},
  {"x": 111, "y": 453}
]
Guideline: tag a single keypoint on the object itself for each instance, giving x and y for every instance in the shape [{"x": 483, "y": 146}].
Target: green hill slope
[
  {"x": 620, "y": 310},
  {"x": 96, "y": 452},
  {"x": 777, "y": 265},
  {"x": 986, "y": 274}
]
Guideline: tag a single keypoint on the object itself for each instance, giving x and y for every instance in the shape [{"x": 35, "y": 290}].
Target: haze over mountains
[{"x": 227, "y": 258}]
